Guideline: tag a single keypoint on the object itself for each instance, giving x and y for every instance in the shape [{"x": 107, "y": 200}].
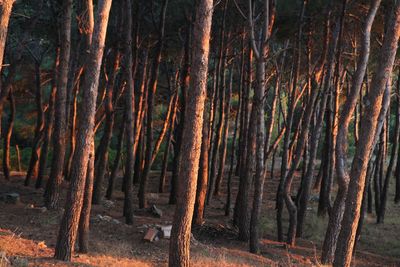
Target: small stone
[{"x": 43, "y": 209}]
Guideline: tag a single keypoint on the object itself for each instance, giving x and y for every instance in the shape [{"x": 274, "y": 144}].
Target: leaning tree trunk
[
  {"x": 335, "y": 217},
  {"x": 369, "y": 122},
  {"x": 52, "y": 194},
  {"x": 179, "y": 249},
  {"x": 315, "y": 136},
  {"x": 85, "y": 137}
]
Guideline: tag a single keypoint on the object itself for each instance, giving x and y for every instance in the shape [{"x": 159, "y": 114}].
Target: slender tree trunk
[
  {"x": 37, "y": 140},
  {"x": 286, "y": 153},
  {"x": 76, "y": 73},
  {"x": 117, "y": 160},
  {"x": 49, "y": 124},
  {"x": 85, "y": 138},
  {"x": 336, "y": 215},
  {"x": 219, "y": 126},
  {"x": 101, "y": 161},
  {"x": 52, "y": 194},
  {"x": 150, "y": 107},
  {"x": 369, "y": 123},
  {"x": 242, "y": 209},
  {"x": 222, "y": 156},
  {"x": 243, "y": 144},
  {"x": 393, "y": 157},
  {"x": 130, "y": 109},
  {"x": 184, "y": 84},
  {"x": 202, "y": 180},
  {"x": 171, "y": 124}
]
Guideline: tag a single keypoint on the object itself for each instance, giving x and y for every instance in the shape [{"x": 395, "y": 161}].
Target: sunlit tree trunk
[
  {"x": 335, "y": 217},
  {"x": 85, "y": 138},
  {"x": 179, "y": 249},
  {"x": 5, "y": 13},
  {"x": 369, "y": 122}
]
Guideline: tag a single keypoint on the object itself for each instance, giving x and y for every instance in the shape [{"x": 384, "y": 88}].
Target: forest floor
[{"x": 28, "y": 234}]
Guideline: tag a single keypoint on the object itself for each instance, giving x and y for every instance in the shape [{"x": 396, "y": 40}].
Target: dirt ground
[{"x": 28, "y": 234}]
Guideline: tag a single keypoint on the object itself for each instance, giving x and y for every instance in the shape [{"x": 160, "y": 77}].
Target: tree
[
  {"x": 369, "y": 122},
  {"x": 335, "y": 218},
  {"x": 85, "y": 138},
  {"x": 5, "y": 13},
  {"x": 191, "y": 137},
  {"x": 52, "y": 193}
]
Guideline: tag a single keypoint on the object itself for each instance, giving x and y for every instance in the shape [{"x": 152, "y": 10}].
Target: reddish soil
[{"x": 28, "y": 232}]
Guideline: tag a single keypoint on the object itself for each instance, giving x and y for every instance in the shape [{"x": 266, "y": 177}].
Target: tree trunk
[
  {"x": 117, "y": 160},
  {"x": 184, "y": 84},
  {"x": 242, "y": 200},
  {"x": 52, "y": 194},
  {"x": 369, "y": 123},
  {"x": 129, "y": 124},
  {"x": 37, "y": 140},
  {"x": 5, "y": 13},
  {"x": 150, "y": 106},
  {"x": 7, "y": 137},
  {"x": 179, "y": 248},
  {"x": 335, "y": 217},
  {"x": 222, "y": 156},
  {"x": 393, "y": 157},
  {"x": 171, "y": 124},
  {"x": 49, "y": 124},
  {"x": 101, "y": 161},
  {"x": 85, "y": 138},
  {"x": 84, "y": 220}
]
